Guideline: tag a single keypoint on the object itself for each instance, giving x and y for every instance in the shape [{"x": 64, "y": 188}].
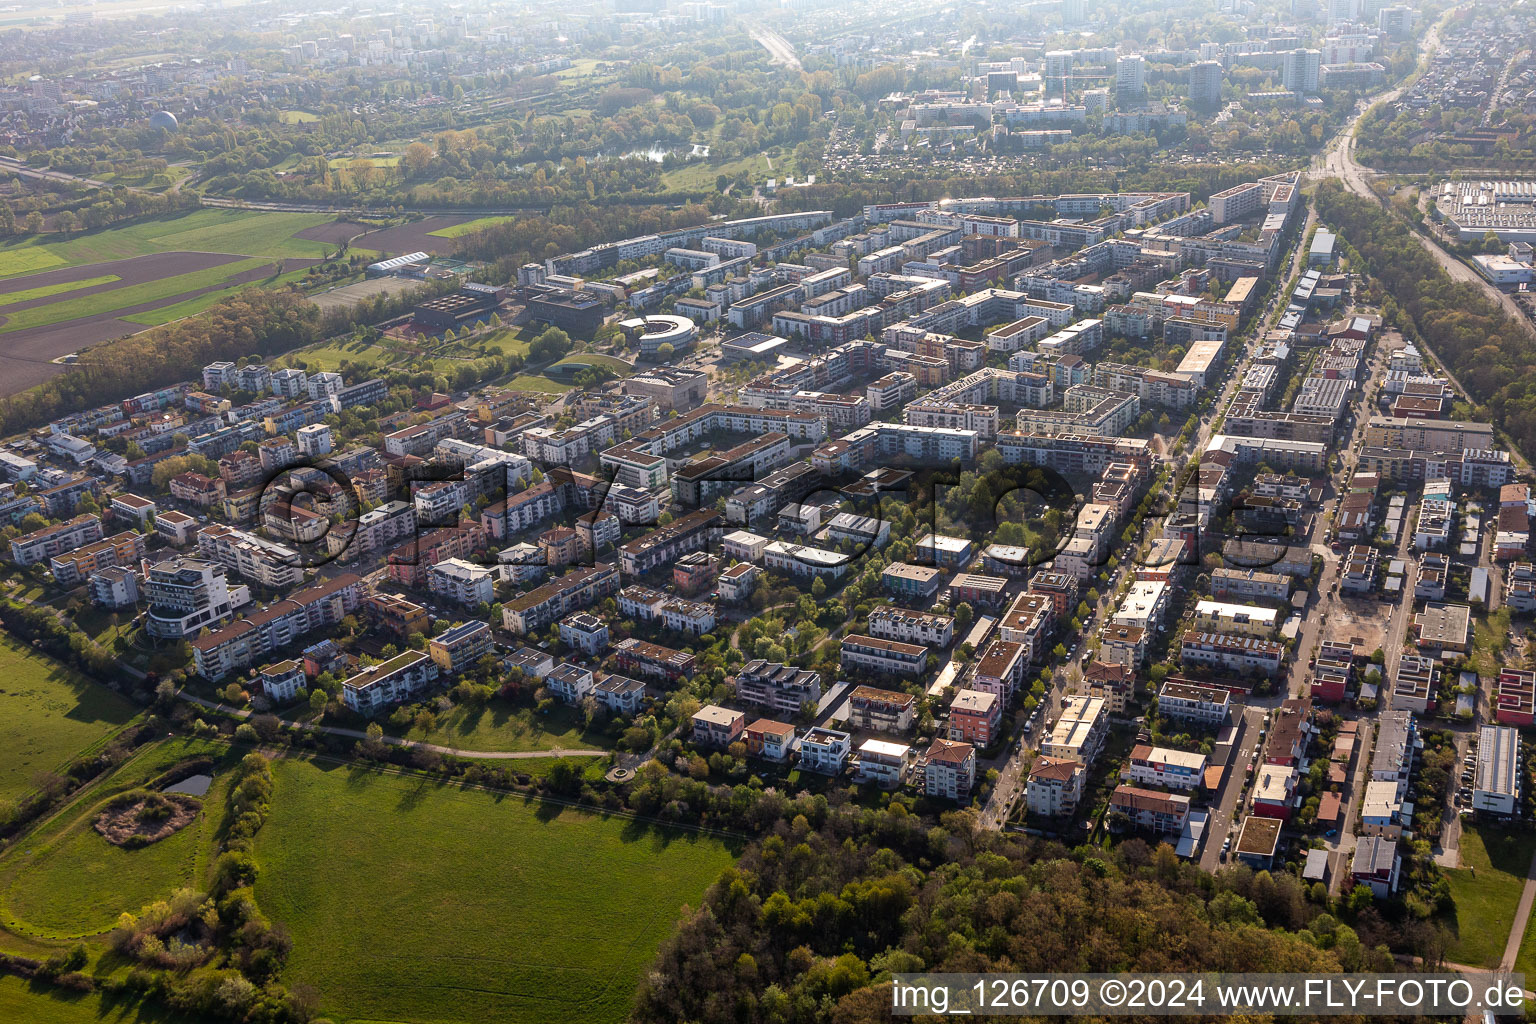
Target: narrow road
[
  {"x": 1522, "y": 915},
  {"x": 396, "y": 741}
]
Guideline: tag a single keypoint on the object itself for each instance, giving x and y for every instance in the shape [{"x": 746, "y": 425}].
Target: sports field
[
  {"x": 48, "y": 714},
  {"x": 415, "y": 902}
]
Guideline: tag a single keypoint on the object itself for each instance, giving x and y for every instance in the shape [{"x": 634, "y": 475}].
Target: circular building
[
  {"x": 163, "y": 120},
  {"x": 660, "y": 329}
]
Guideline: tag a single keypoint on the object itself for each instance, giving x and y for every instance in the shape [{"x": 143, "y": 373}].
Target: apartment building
[
  {"x": 402, "y": 678},
  {"x": 1162, "y": 766},
  {"x": 1055, "y": 785},
  {"x": 249, "y": 640},
  {"x": 1225, "y": 651},
  {"x": 976, "y": 717},
  {"x": 584, "y": 632},
  {"x": 1496, "y": 783},
  {"x": 777, "y": 687},
  {"x": 48, "y": 541},
  {"x": 1190, "y": 702},
  {"x": 1000, "y": 669},
  {"x": 72, "y": 567},
  {"x": 263, "y": 562},
  {"x": 1242, "y": 619},
  {"x": 770, "y": 740},
  {"x": 911, "y": 627},
  {"x": 186, "y": 596},
  {"x": 886, "y": 657},
  {"x": 714, "y": 726},
  {"x": 655, "y": 661},
  {"x": 1150, "y": 811},
  {"x": 825, "y": 751},
  {"x": 880, "y": 710},
  {"x": 576, "y": 590},
  {"x": 1079, "y": 732},
  {"x": 948, "y": 769},
  {"x": 457, "y": 648},
  {"x": 462, "y": 582}
]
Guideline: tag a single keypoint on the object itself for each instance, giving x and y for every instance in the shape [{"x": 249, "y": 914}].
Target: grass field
[
  {"x": 413, "y": 902},
  {"x": 242, "y": 232},
  {"x": 499, "y": 727},
  {"x": 188, "y": 307},
  {"x": 1487, "y": 889},
  {"x": 523, "y": 382},
  {"x": 44, "y": 291},
  {"x": 24, "y": 1003},
  {"x": 119, "y": 298},
  {"x": 618, "y": 366},
  {"x": 297, "y": 117},
  {"x": 469, "y": 226},
  {"x": 68, "y": 881},
  {"x": 48, "y": 713}
]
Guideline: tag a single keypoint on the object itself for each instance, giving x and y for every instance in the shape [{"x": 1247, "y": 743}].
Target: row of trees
[{"x": 1487, "y": 350}]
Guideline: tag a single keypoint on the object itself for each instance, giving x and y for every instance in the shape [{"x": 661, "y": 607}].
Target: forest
[
  {"x": 812, "y": 922},
  {"x": 1487, "y": 350}
]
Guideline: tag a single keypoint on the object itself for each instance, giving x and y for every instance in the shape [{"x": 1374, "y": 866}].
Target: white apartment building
[{"x": 466, "y": 583}]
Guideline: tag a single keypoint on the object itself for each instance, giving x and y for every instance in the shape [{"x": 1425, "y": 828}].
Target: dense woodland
[
  {"x": 1487, "y": 350},
  {"x": 813, "y": 920}
]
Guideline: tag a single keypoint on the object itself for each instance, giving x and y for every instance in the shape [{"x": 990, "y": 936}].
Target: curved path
[{"x": 397, "y": 741}]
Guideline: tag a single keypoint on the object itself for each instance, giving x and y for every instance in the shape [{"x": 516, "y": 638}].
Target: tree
[
  {"x": 549, "y": 346},
  {"x": 34, "y": 223},
  {"x": 318, "y": 699},
  {"x": 416, "y": 159}
]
